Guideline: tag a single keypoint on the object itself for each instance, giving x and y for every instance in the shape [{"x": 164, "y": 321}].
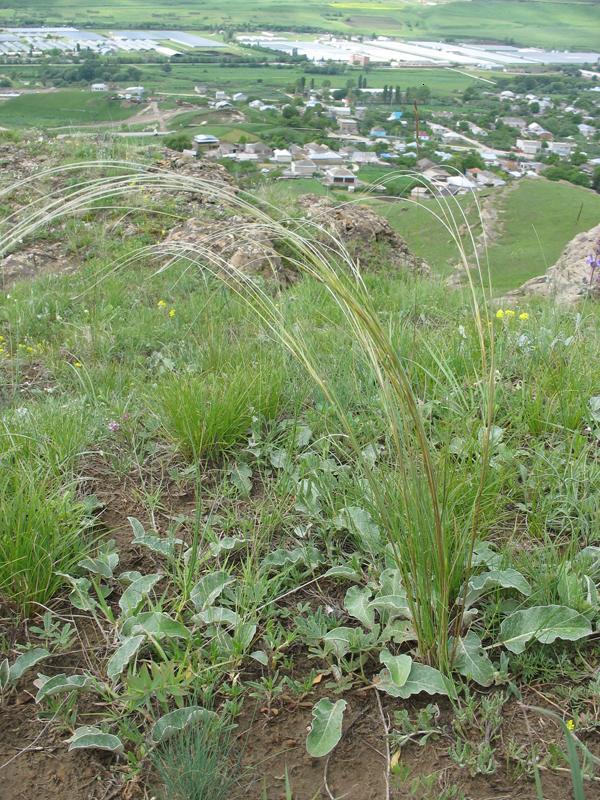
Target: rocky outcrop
[
  {"x": 572, "y": 277},
  {"x": 244, "y": 244},
  {"x": 369, "y": 237},
  {"x": 200, "y": 168}
]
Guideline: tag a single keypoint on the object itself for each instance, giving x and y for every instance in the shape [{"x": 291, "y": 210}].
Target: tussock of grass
[
  {"x": 41, "y": 533},
  {"x": 207, "y": 414}
]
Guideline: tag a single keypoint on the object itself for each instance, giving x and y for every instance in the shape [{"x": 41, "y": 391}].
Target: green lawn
[
  {"x": 538, "y": 22},
  {"x": 68, "y": 107}
]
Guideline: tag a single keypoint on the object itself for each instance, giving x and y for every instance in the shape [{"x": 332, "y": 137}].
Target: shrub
[{"x": 178, "y": 141}]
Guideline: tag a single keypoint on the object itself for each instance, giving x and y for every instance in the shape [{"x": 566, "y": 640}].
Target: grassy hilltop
[{"x": 264, "y": 518}]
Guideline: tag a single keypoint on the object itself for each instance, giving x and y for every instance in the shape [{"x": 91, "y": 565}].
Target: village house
[
  {"x": 221, "y": 105},
  {"x": 239, "y": 97},
  {"x": 322, "y": 155},
  {"x": 363, "y": 157},
  {"x": 304, "y": 168},
  {"x": 260, "y": 149},
  {"x": 484, "y": 177},
  {"x": 348, "y": 127},
  {"x": 226, "y": 149},
  {"x": 359, "y": 60},
  {"x": 520, "y": 123},
  {"x": 99, "y": 87},
  {"x": 529, "y": 147},
  {"x": 340, "y": 111},
  {"x": 281, "y": 156},
  {"x": 340, "y": 176},
  {"x": 562, "y": 149},
  {"x": 204, "y": 142},
  {"x": 460, "y": 184},
  {"x": 586, "y": 130},
  {"x": 378, "y": 133},
  {"x": 420, "y": 193},
  {"x": 425, "y": 163},
  {"x": 220, "y": 95},
  {"x": 436, "y": 174},
  {"x": 489, "y": 157}
]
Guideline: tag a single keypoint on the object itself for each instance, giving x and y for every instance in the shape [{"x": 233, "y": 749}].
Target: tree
[
  {"x": 596, "y": 180},
  {"x": 397, "y": 95}
]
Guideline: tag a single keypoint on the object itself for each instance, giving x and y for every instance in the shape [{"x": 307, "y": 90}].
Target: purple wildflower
[
  {"x": 113, "y": 426},
  {"x": 593, "y": 261}
]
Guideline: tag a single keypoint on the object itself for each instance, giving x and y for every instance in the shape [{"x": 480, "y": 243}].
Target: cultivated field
[
  {"x": 62, "y": 107},
  {"x": 538, "y": 22}
]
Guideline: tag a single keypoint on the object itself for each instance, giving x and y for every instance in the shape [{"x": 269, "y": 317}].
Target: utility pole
[{"x": 417, "y": 131}]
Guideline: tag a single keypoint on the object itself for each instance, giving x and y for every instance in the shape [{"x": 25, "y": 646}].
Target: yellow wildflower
[
  {"x": 1, "y": 338},
  {"x": 77, "y": 364},
  {"x": 570, "y": 725},
  {"x": 509, "y": 313},
  {"x": 499, "y": 314},
  {"x": 161, "y": 304},
  {"x": 523, "y": 316},
  {"x": 172, "y": 312},
  {"x": 29, "y": 348}
]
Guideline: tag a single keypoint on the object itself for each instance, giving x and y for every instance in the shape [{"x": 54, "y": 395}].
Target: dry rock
[
  {"x": 243, "y": 244},
  {"x": 369, "y": 237}
]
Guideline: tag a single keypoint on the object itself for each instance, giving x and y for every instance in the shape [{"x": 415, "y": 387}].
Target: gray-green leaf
[
  {"x": 90, "y": 736},
  {"x": 158, "y": 544},
  {"x": 103, "y": 565},
  {"x": 357, "y": 605},
  {"x": 496, "y": 578},
  {"x": 23, "y": 662},
  {"x": 422, "y": 678},
  {"x": 123, "y": 655},
  {"x": 326, "y": 728},
  {"x": 156, "y": 624},
  {"x": 177, "y": 720},
  {"x": 544, "y": 623},
  {"x": 208, "y": 588},
  {"x": 472, "y": 661},
  {"x": 360, "y": 523},
  {"x": 136, "y": 591},
  {"x": 58, "y": 684},
  {"x": 398, "y": 667},
  {"x": 216, "y": 615},
  {"x": 338, "y": 641}
]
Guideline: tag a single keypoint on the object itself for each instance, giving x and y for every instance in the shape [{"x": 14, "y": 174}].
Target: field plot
[
  {"x": 57, "y": 108},
  {"x": 539, "y": 22}
]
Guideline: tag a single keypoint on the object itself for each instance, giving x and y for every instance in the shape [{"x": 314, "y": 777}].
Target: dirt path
[
  {"x": 490, "y": 225},
  {"x": 149, "y": 115}
]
